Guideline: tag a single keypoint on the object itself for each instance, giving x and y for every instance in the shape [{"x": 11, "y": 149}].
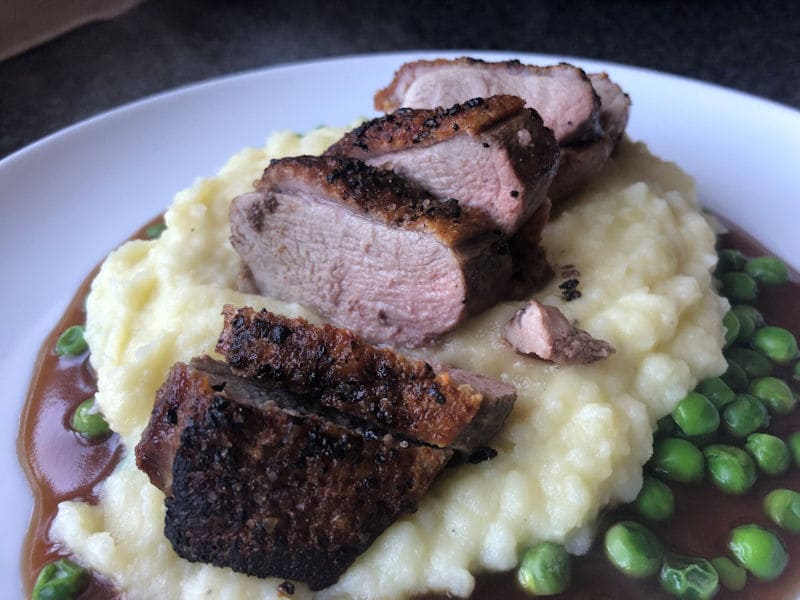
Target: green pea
[
  {"x": 774, "y": 393},
  {"x": 655, "y": 500},
  {"x": 770, "y": 453},
  {"x": 796, "y": 371},
  {"x": 154, "y": 231},
  {"x": 767, "y": 270},
  {"x": 745, "y": 415},
  {"x": 717, "y": 391},
  {"x": 59, "y": 580},
  {"x": 731, "y": 324},
  {"x": 738, "y": 286},
  {"x": 71, "y": 342},
  {"x": 696, "y": 415},
  {"x": 688, "y": 577},
  {"x": 677, "y": 460},
  {"x": 750, "y": 319},
  {"x": 730, "y": 468},
  {"x": 783, "y": 508},
  {"x": 730, "y": 260},
  {"x": 776, "y": 343},
  {"x": 759, "y": 551},
  {"x": 753, "y": 363},
  {"x": 87, "y": 422},
  {"x": 731, "y": 575},
  {"x": 735, "y": 377},
  {"x": 793, "y": 441},
  {"x": 633, "y": 549},
  {"x": 545, "y": 569}
]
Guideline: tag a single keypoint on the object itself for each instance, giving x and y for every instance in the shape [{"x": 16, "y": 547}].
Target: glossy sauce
[{"x": 60, "y": 465}]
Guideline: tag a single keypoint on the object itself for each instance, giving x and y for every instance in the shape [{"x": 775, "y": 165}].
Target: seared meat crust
[
  {"x": 271, "y": 491},
  {"x": 493, "y": 155},
  {"x": 383, "y": 388},
  {"x": 424, "y": 127},
  {"x": 530, "y": 269},
  {"x": 379, "y": 193}
]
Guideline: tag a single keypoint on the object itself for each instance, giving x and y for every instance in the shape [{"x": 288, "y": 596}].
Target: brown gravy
[{"x": 60, "y": 466}]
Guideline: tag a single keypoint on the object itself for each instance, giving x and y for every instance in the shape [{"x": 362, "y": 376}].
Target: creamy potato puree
[{"x": 575, "y": 442}]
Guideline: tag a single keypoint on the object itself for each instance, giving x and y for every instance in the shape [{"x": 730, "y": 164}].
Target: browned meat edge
[
  {"x": 514, "y": 156},
  {"x": 530, "y": 269},
  {"x": 424, "y": 127},
  {"x": 268, "y": 490},
  {"x": 381, "y": 194},
  {"x": 400, "y": 394}
]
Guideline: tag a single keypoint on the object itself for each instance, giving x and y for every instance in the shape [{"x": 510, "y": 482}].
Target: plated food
[{"x": 630, "y": 197}]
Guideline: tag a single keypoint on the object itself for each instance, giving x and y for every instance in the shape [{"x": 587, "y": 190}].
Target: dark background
[{"x": 751, "y": 46}]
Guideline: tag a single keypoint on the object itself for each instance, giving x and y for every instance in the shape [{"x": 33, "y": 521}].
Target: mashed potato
[{"x": 575, "y": 442}]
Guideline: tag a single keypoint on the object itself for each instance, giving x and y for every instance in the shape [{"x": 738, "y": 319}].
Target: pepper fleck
[
  {"x": 286, "y": 588},
  {"x": 569, "y": 284}
]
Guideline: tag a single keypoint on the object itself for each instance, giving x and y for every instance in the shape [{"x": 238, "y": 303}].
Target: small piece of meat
[
  {"x": 493, "y": 155},
  {"x": 367, "y": 249},
  {"x": 579, "y": 163},
  {"x": 543, "y": 331},
  {"x": 263, "y": 487},
  {"x": 445, "y": 408},
  {"x": 561, "y": 94}
]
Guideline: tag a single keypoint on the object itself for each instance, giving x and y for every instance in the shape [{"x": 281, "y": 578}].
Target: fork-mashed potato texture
[{"x": 574, "y": 443}]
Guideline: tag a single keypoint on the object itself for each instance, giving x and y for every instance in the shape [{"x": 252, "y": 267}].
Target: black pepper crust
[
  {"x": 381, "y": 193},
  {"x": 425, "y": 127},
  {"x": 273, "y": 492},
  {"x": 386, "y": 389}
]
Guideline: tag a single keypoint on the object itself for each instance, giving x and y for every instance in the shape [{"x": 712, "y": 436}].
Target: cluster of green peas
[{"x": 740, "y": 402}]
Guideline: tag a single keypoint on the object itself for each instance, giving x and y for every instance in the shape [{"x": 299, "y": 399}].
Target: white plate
[{"x": 70, "y": 198}]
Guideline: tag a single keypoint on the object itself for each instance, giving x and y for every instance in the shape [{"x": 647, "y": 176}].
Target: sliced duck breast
[
  {"x": 587, "y": 114},
  {"x": 493, "y": 155},
  {"x": 440, "y": 406},
  {"x": 258, "y": 483},
  {"x": 561, "y": 94},
  {"x": 367, "y": 249}
]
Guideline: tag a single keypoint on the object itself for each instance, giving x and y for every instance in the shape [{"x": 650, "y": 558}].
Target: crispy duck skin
[
  {"x": 263, "y": 487},
  {"x": 388, "y": 390},
  {"x": 492, "y": 155},
  {"x": 375, "y": 192}
]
